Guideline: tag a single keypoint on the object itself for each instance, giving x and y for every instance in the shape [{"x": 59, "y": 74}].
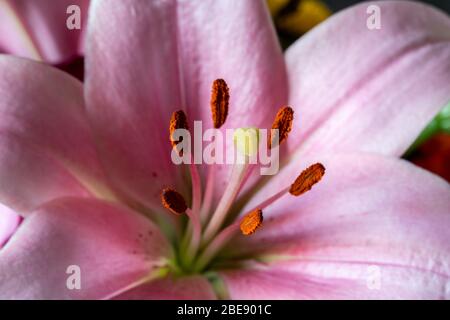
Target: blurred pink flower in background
[
  {"x": 85, "y": 164},
  {"x": 37, "y": 29}
]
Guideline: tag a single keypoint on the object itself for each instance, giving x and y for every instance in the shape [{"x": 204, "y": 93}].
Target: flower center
[{"x": 206, "y": 232}]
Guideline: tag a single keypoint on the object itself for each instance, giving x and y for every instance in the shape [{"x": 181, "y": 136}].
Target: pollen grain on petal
[
  {"x": 309, "y": 177},
  {"x": 173, "y": 201},
  {"x": 283, "y": 123},
  {"x": 251, "y": 222},
  {"x": 178, "y": 120},
  {"x": 220, "y": 97}
]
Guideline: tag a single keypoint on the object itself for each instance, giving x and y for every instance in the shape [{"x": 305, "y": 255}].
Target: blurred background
[{"x": 293, "y": 18}]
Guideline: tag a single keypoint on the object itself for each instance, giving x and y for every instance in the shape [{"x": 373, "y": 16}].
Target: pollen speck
[
  {"x": 173, "y": 201},
  {"x": 251, "y": 222},
  {"x": 220, "y": 98},
  {"x": 309, "y": 177}
]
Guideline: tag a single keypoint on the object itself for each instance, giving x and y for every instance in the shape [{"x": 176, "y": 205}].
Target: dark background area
[
  {"x": 336, "y": 5},
  {"x": 287, "y": 36}
]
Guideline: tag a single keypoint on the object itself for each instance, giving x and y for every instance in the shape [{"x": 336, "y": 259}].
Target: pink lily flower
[
  {"x": 85, "y": 164},
  {"x": 37, "y": 29}
]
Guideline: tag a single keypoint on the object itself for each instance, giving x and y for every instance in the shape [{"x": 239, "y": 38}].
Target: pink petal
[
  {"x": 37, "y": 29},
  {"x": 112, "y": 245},
  {"x": 166, "y": 60},
  {"x": 367, "y": 211},
  {"x": 183, "y": 288},
  {"x": 131, "y": 89},
  {"x": 46, "y": 148},
  {"x": 9, "y": 221},
  {"x": 328, "y": 280},
  {"x": 355, "y": 89}
]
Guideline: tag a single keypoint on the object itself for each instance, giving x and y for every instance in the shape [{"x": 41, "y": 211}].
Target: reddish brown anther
[
  {"x": 251, "y": 222},
  {"x": 173, "y": 201},
  {"x": 307, "y": 179},
  {"x": 177, "y": 121},
  {"x": 220, "y": 98},
  {"x": 283, "y": 123}
]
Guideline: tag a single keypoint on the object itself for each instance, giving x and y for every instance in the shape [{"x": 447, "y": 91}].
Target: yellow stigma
[{"x": 246, "y": 141}]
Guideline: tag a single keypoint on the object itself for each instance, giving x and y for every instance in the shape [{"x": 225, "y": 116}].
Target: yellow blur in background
[{"x": 296, "y": 17}]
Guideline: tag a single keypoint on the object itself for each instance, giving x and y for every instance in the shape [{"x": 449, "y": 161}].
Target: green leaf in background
[{"x": 441, "y": 123}]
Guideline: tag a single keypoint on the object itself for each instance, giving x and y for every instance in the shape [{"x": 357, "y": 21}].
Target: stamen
[
  {"x": 307, "y": 179},
  {"x": 303, "y": 183},
  {"x": 191, "y": 240},
  {"x": 220, "y": 98},
  {"x": 208, "y": 195},
  {"x": 248, "y": 225},
  {"x": 177, "y": 121},
  {"x": 251, "y": 222},
  {"x": 173, "y": 201},
  {"x": 192, "y": 234},
  {"x": 283, "y": 123}
]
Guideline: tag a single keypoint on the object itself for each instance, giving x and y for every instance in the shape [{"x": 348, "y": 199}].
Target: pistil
[
  {"x": 237, "y": 176},
  {"x": 246, "y": 142}
]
